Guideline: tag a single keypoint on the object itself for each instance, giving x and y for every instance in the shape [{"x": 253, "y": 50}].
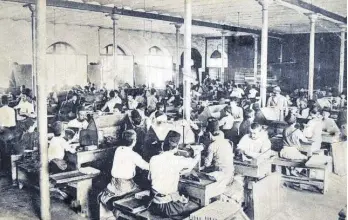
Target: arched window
[
  {"x": 155, "y": 51},
  {"x": 61, "y": 48},
  {"x": 108, "y": 50}
]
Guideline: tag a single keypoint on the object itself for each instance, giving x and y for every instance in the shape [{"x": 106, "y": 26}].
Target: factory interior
[{"x": 163, "y": 109}]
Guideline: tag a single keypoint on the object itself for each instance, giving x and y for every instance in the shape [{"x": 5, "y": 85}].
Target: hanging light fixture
[{"x": 216, "y": 55}]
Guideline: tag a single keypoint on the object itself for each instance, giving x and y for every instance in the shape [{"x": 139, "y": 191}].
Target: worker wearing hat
[
  {"x": 123, "y": 170},
  {"x": 165, "y": 170},
  {"x": 278, "y": 102}
]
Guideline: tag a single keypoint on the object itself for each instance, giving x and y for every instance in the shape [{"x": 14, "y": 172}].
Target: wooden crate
[
  {"x": 257, "y": 168},
  {"x": 265, "y": 197},
  {"x": 219, "y": 211}
]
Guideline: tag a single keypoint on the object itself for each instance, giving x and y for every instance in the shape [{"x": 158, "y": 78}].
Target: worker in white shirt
[
  {"x": 279, "y": 102},
  {"x": 25, "y": 107},
  {"x": 159, "y": 109},
  {"x": 237, "y": 112},
  {"x": 219, "y": 160},
  {"x": 226, "y": 122},
  {"x": 131, "y": 102},
  {"x": 252, "y": 92},
  {"x": 111, "y": 104},
  {"x": 294, "y": 141},
  {"x": 123, "y": 170},
  {"x": 314, "y": 128},
  {"x": 254, "y": 144},
  {"x": 165, "y": 170},
  {"x": 56, "y": 150},
  {"x": 151, "y": 101},
  {"x": 237, "y": 92},
  {"x": 329, "y": 125},
  {"x": 7, "y": 114}
]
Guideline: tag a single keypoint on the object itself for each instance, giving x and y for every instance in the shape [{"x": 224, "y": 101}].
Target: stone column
[
  {"x": 114, "y": 19},
  {"x": 342, "y": 53},
  {"x": 41, "y": 75},
  {"x": 312, "y": 18},
  {"x": 177, "y": 54},
  {"x": 264, "y": 51},
  {"x": 187, "y": 60},
  {"x": 222, "y": 56},
  {"x": 256, "y": 48}
]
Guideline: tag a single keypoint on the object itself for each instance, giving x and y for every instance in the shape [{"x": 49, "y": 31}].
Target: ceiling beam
[
  {"x": 141, "y": 14},
  {"x": 304, "y": 7}
]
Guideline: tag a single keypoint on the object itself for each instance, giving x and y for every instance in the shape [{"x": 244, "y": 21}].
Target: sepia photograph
[{"x": 173, "y": 109}]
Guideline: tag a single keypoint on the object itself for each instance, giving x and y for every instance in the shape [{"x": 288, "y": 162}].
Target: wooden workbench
[
  {"x": 318, "y": 174},
  {"x": 81, "y": 184},
  {"x": 203, "y": 191},
  {"x": 79, "y": 181},
  {"x": 104, "y": 155}
]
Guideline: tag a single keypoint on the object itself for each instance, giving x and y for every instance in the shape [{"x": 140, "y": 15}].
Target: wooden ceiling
[{"x": 238, "y": 13}]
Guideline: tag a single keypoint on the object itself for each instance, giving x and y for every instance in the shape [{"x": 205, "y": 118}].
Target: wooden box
[
  {"x": 219, "y": 211},
  {"x": 256, "y": 169}
]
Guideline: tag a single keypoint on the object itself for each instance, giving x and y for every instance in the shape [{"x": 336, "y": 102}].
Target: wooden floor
[{"x": 21, "y": 204}]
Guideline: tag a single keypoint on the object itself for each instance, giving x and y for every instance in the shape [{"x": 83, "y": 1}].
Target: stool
[{"x": 318, "y": 171}]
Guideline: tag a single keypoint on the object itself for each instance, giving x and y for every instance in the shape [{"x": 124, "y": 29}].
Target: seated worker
[
  {"x": 159, "y": 108},
  {"x": 253, "y": 92},
  {"x": 7, "y": 114},
  {"x": 226, "y": 122},
  {"x": 110, "y": 105},
  {"x": 237, "y": 112},
  {"x": 78, "y": 123},
  {"x": 237, "y": 92},
  {"x": 259, "y": 116},
  {"x": 137, "y": 123},
  {"x": 219, "y": 159},
  {"x": 151, "y": 101},
  {"x": 25, "y": 106},
  {"x": 302, "y": 101},
  {"x": 131, "y": 102},
  {"x": 294, "y": 140},
  {"x": 68, "y": 108},
  {"x": 170, "y": 94},
  {"x": 123, "y": 170},
  {"x": 313, "y": 129},
  {"x": 244, "y": 127},
  {"x": 255, "y": 143},
  {"x": 156, "y": 133},
  {"x": 329, "y": 124},
  {"x": 164, "y": 174},
  {"x": 56, "y": 150},
  {"x": 29, "y": 139}
]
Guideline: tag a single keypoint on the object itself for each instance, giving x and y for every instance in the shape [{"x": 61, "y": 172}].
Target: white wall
[{"x": 16, "y": 44}]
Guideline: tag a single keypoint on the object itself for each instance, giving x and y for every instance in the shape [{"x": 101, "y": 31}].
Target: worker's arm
[
  {"x": 140, "y": 162},
  {"x": 70, "y": 148},
  {"x": 104, "y": 107},
  {"x": 222, "y": 121},
  {"x": 188, "y": 163},
  {"x": 209, "y": 159}
]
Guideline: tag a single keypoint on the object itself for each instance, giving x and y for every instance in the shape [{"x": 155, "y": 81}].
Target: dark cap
[
  {"x": 213, "y": 125},
  {"x": 136, "y": 117},
  {"x": 129, "y": 135},
  {"x": 57, "y": 128},
  {"x": 172, "y": 140}
]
